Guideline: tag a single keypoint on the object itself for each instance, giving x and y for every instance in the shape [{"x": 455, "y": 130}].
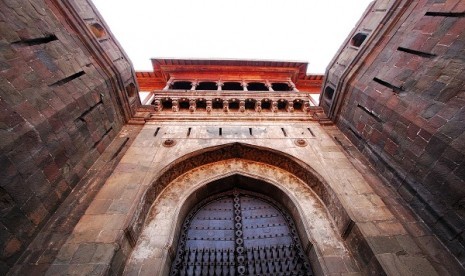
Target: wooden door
[{"x": 239, "y": 233}]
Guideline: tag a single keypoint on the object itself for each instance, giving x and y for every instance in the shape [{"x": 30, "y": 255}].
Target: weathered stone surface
[
  {"x": 59, "y": 108},
  {"x": 402, "y": 105}
]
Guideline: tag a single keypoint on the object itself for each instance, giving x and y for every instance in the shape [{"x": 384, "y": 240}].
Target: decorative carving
[
  {"x": 194, "y": 85},
  {"x": 241, "y": 106},
  {"x": 244, "y": 85},
  {"x": 175, "y": 106},
  {"x": 300, "y": 142},
  {"x": 306, "y": 106},
  {"x": 192, "y": 105},
  {"x": 258, "y": 106},
  {"x": 290, "y": 106},
  {"x": 219, "y": 84},
  {"x": 225, "y": 106},
  {"x": 274, "y": 106},
  {"x": 209, "y": 106},
  {"x": 157, "y": 105},
  {"x": 169, "y": 143},
  {"x": 269, "y": 85}
]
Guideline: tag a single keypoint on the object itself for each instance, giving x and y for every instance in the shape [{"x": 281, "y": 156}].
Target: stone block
[{"x": 406, "y": 265}]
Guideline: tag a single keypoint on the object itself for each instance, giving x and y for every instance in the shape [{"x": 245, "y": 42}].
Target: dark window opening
[
  {"x": 156, "y": 132},
  {"x": 388, "y": 85},
  {"x": 369, "y": 112},
  {"x": 282, "y": 105},
  {"x": 189, "y": 132},
  {"x": 311, "y": 132},
  {"x": 184, "y": 85},
  {"x": 284, "y": 132},
  {"x": 167, "y": 104},
  {"x": 415, "y": 52},
  {"x": 217, "y": 104},
  {"x": 220, "y": 131},
  {"x": 36, "y": 41},
  {"x": 328, "y": 94},
  {"x": 68, "y": 79},
  {"x": 207, "y": 85},
  {"x": 266, "y": 105},
  {"x": 250, "y": 131},
  {"x": 183, "y": 104},
  {"x": 97, "y": 30},
  {"x": 131, "y": 90},
  {"x": 232, "y": 86},
  {"x": 358, "y": 39},
  {"x": 234, "y": 105},
  {"x": 256, "y": 86},
  {"x": 250, "y": 104},
  {"x": 446, "y": 14},
  {"x": 281, "y": 86},
  {"x": 201, "y": 104},
  {"x": 297, "y": 105}
]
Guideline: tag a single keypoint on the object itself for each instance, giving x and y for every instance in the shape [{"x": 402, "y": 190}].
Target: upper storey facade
[{"x": 217, "y": 89}]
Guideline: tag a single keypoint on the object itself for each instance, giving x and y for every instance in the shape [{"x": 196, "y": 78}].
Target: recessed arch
[
  {"x": 185, "y": 191},
  {"x": 247, "y": 152}
]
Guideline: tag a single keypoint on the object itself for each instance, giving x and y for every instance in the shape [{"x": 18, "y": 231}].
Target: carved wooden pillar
[
  {"x": 175, "y": 105},
  {"x": 194, "y": 85},
  {"x": 209, "y": 106},
  {"x": 274, "y": 106},
  {"x": 241, "y": 106},
  {"x": 292, "y": 85},
  {"x": 225, "y": 106},
  {"x": 168, "y": 84},
  {"x": 219, "y": 84},
  {"x": 258, "y": 106},
  {"x": 290, "y": 106},
  {"x": 244, "y": 85},
  {"x": 192, "y": 105},
  {"x": 269, "y": 85}
]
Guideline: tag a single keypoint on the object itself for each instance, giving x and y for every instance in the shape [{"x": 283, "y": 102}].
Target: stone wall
[
  {"x": 399, "y": 96},
  {"x": 180, "y": 156},
  {"x": 66, "y": 89}
]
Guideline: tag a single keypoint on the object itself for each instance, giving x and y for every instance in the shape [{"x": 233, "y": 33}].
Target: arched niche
[
  {"x": 156, "y": 246},
  {"x": 247, "y": 152}
]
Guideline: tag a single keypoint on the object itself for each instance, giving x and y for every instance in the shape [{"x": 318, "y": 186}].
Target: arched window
[
  {"x": 131, "y": 90},
  {"x": 281, "y": 86},
  {"x": 184, "y": 85},
  {"x": 256, "y": 86},
  {"x": 358, "y": 39},
  {"x": 232, "y": 86},
  {"x": 328, "y": 94},
  {"x": 207, "y": 85}
]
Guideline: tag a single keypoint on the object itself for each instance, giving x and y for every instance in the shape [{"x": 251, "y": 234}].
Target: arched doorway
[{"x": 239, "y": 232}]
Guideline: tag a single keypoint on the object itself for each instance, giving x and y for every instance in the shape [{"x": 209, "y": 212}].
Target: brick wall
[
  {"x": 400, "y": 98},
  {"x": 65, "y": 92}
]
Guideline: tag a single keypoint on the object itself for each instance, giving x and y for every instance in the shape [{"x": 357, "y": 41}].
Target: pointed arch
[{"x": 247, "y": 152}]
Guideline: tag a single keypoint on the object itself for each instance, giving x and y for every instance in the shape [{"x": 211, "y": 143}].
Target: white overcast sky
[{"x": 295, "y": 30}]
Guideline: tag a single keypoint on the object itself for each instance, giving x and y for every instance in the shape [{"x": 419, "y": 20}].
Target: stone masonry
[
  {"x": 92, "y": 181},
  {"x": 399, "y": 97},
  {"x": 63, "y": 99}
]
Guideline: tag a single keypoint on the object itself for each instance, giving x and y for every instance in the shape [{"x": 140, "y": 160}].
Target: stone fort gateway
[{"x": 232, "y": 167}]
